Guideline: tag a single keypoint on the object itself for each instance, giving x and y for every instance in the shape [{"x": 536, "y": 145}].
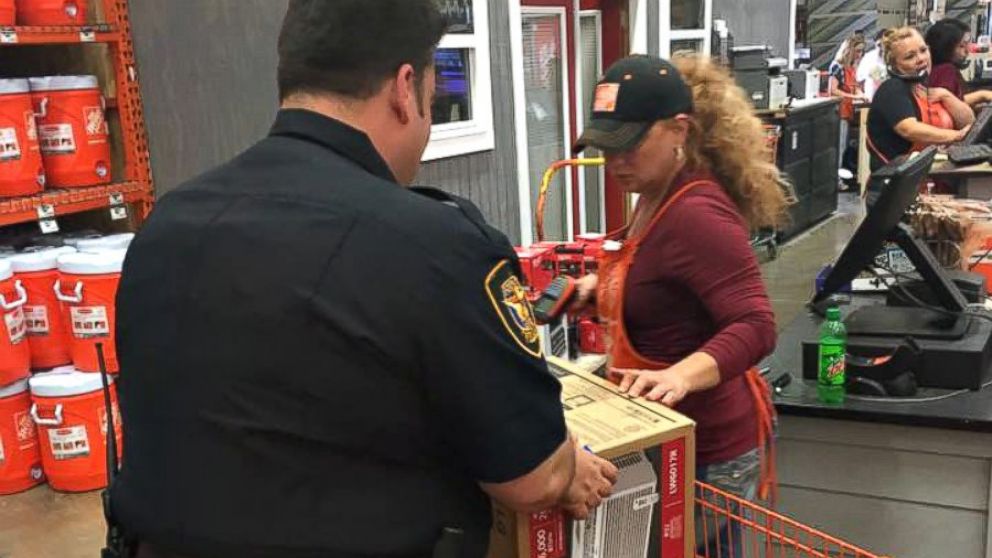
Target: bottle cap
[{"x": 833, "y": 313}]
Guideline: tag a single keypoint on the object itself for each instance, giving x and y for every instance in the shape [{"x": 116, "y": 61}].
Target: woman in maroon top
[
  {"x": 948, "y": 40},
  {"x": 680, "y": 288}
]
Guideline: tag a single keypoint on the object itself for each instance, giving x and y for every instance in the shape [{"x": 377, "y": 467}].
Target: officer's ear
[{"x": 404, "y": 96}]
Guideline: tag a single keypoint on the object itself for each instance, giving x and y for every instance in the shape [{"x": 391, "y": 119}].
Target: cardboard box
[{"x": 621, "y": 429}]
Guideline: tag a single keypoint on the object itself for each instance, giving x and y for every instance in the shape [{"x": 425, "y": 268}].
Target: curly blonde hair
[{"x": 728, "y": 140}]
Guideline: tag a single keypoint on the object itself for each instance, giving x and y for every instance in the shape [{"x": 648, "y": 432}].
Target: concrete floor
[{"x": 42, "y": 523}]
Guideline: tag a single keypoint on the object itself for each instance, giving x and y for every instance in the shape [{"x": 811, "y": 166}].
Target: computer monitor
[
  {"x": 981, "y": 129},
  {"x": 897, "y": 185}
]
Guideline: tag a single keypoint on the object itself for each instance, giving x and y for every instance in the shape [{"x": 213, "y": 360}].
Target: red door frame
[{"x": 616, "y": 45}]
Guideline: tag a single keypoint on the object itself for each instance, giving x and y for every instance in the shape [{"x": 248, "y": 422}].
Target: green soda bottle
[{"x": 833, "y": 347}]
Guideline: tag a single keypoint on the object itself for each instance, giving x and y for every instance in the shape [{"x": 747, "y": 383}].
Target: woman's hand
[
  {"x": 665, "y": 386},
  {"x": 697, "y": 372},
  {"x": 936, "y": 94},
  {"x": 962, "y": 133},
  {"x": 585, "y": 293}
]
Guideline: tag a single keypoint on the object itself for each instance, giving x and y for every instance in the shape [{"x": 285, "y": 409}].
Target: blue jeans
[{"x": 715, "y": 535}]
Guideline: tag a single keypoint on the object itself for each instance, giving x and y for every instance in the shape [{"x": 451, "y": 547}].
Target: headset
[{"x": 919, "y": 77}]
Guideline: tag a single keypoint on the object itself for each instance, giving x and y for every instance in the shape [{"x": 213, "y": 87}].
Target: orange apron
[
  {"x": 614, "y": 266},
  {"x": 933, "y": 114},
  {"x": 847, "y": 103}
]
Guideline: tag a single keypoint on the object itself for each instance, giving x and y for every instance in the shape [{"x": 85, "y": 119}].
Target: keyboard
[{"x": 969, "y": 154}]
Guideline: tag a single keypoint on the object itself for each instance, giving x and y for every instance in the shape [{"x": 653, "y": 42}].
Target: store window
[
  {"x": 686, "y": 25},
  {"x": 462, "y": 110},
  {"x": 454, "y": 97},
  {"x": 459, "y": 15},
  {"x": 688, "y": 14},
  {"x": 690, "y": 45}
]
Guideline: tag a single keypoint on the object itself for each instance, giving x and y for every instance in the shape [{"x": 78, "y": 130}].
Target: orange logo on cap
[{"x": 606, "y": 97}]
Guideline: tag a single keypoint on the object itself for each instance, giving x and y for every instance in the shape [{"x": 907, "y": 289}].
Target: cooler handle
[
  {"x": 78, "y": 292},
  {"x": 57, "y": 421},
  {"x": 44, "y": 108},
  {"x": 22, "y": 297}
]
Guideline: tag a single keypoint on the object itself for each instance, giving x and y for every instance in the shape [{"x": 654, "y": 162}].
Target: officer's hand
[
  {"x": 593, "y": 481},
  {"x": 585, "y": 293}
]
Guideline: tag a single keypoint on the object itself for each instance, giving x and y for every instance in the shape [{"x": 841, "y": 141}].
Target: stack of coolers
[
  {"x": 759, "y": 74},
  {"x": 53, "y": 134},
  {"x": 58, "y": 306},
  {"x": 53, "y": 130},
  {"x": 540, "y": 264}
]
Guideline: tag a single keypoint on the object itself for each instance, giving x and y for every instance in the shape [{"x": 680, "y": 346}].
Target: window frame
[
  {"x": 476, "y": 135},
  {"x": 668, "y": 35}
]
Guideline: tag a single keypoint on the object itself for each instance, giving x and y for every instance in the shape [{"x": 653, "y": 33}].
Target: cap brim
[{"x": 611, "y": 135}]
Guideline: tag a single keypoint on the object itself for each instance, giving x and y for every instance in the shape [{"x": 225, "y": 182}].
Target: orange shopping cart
[{"x": 749, "y": 530}]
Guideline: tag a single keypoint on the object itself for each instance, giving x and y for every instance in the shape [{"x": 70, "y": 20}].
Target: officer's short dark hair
[
  {"x": 943, "y": 37},
  {"x": 350, "y": 47}
]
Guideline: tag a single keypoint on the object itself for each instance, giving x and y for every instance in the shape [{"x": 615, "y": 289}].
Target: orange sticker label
[{"x": 606, "y": 97}]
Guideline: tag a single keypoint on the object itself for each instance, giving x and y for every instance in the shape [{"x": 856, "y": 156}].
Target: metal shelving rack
[{"x": 135, "y": 187}]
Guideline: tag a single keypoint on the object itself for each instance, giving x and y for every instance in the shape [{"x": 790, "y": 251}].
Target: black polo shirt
[
  {"x": 319, "y": 362},
  {"x": 892, "y": 103}
]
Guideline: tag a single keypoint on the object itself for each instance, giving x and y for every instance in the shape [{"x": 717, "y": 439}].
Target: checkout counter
[{"x": 911, "y": 475}]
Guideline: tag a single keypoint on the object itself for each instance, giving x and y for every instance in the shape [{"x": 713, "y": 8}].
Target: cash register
[
  {"x": 930, "y": 316},
  {"x": 759, "y": 74}
]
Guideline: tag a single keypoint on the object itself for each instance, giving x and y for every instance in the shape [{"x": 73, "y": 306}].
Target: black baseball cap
[{"x": 636, "y": 92}]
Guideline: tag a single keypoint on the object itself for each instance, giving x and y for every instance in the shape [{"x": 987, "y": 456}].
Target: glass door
[{"x": 547, "y": 107}]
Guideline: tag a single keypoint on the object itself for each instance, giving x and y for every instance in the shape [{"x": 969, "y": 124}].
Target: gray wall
[
  {"x": 756, "y": 22},
  {"x": 207, "y": 78},
  {"x": 208, "y": 82}
]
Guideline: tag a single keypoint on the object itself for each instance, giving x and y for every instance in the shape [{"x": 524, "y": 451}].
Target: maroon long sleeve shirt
[{"x": 695, "y": 285}]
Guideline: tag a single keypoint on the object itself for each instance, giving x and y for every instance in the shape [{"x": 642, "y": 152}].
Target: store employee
[
  {"x": 317, "y": 361},
  {"x": 905, "y": 114}
]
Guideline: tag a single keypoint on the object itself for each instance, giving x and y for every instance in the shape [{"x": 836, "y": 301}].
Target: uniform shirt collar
[{"x": 351, "y": 143}]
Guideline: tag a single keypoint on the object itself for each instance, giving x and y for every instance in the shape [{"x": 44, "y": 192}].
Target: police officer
[{"x": 318, "y": 361}]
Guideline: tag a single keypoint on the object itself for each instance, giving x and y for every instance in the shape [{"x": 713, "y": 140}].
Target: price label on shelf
[
  {"x": 48, "y": 226},
  {"x": 118, "y": 213},
  {"x": 8, "y": 36},
  {"x": 46, "y": 218},
  {"x": 87, "y": 35},
  {"x": 46, "y": 211},
  {"x": 116, "y": 199}
]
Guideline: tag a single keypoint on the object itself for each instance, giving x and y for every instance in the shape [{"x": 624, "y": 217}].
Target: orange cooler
[
  {"x": 110, "y": 242},
  {"x": 20, "y": 458},
  {"x": 87, "y": 286},
  {"x": 48, "y": 335},
  {"x": 51, "y": 12},
  {"x": 68, "y": 409},
  {"x": 21, "y": 169},
  {"x": 73, "y": 130},
  {"x": 8, "y": 13},
  {"x": 15, "y": 356}
]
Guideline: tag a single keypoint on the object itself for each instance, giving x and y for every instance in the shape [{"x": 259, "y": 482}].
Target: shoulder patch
[{"x": 510, "y": 302}]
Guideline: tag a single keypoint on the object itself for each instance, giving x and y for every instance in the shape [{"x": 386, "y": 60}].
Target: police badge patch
[{"x": 509, "y": 299}]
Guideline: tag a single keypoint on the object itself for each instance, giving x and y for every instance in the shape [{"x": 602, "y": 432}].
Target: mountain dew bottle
[{"x": 833, "y": 347}]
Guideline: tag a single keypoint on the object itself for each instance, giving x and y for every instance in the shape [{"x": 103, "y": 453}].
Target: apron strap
[{"x": 765, "y": 408}]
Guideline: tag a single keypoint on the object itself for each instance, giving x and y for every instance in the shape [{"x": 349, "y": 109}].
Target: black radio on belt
[{"x": 553, "y": 301}]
